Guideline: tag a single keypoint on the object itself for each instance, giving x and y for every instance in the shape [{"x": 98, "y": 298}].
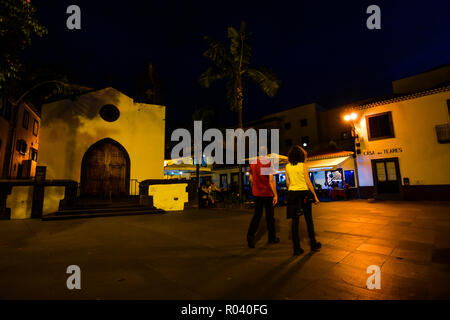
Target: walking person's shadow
[{"x": 271, "y": 283}]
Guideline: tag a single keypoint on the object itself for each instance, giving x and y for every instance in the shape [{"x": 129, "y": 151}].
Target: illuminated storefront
[{"x": 403, "y": 146}]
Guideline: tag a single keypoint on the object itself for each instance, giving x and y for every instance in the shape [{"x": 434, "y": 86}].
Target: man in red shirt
[{"x": 265, "y": 195}]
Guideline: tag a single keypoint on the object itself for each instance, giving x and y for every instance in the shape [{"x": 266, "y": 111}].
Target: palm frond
[
  {"x": 235, "y": 41},
  {"x": 212, "y": 74},
  {"x": 240, "y": 48},
  {"x": 217, "y": 52},
  {"x": 266, "y": 78}
]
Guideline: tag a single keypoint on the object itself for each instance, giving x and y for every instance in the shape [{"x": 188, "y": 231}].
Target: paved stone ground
[{"x": 203, "y": 255}]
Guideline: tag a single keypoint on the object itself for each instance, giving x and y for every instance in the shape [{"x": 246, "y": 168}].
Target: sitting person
[
  {"x": 213, "y": 192},
  {"x": 204, "y": 198},
  {"x": 347, "y": 190}
]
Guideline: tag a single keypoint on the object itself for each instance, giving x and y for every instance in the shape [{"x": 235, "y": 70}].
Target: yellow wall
[
  {"x": 348, "y": 164},
  {"x": 70, "y": 127},
  {"x": 169, "y": 197},
  {"x": 422, "y": 159},
  {"x": 52, "y": 197},
  {"x": 20, "y": 202}
]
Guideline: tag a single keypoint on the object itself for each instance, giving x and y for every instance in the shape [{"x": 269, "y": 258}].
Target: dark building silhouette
[{"x": 149, "y": 87}]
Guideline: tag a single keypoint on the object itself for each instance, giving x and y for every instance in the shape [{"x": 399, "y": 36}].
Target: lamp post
[{"x": 351, "y": 118}]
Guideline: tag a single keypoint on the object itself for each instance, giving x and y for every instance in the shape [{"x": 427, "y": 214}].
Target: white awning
[{"x": 325, "y": 164}]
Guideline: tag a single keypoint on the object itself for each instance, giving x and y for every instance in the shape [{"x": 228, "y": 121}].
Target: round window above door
[{"x": 109, "y": 113}]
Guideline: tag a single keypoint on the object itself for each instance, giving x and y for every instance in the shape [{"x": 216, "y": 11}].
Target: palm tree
[{"x": 233, "y": 64}]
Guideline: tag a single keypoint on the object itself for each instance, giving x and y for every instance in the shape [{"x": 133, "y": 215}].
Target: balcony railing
[{"x": 443, "y": 133}]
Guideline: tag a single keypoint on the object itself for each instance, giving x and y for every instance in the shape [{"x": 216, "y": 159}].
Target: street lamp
[{"x": 351, "y": 118}]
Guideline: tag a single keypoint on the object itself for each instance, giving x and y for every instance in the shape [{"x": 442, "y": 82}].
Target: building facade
[
  {"x": 297, "y": 125},
  {"x": 19, "y": 140},
  {"x": 395, "y": 146},
  {"x": 404, "y": 148},
  {"x": 103, "y": 140}
]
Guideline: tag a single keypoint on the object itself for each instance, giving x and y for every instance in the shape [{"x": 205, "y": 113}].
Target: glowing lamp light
[
  {"x": 351, "y": 116},
  {"x": 305, "y": 144}
]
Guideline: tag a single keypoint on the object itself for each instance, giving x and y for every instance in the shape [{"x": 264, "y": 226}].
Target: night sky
[{"x": 322, "y": 51}]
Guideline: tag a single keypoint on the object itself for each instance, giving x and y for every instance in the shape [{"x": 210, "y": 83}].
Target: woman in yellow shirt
[{"x": 300, "y": 188}]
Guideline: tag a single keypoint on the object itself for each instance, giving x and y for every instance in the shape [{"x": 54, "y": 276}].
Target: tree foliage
[
  {"x": 18, "y": 25},
  {"x": 207, "y": 115},
  {"x": 232, "y": 63}
]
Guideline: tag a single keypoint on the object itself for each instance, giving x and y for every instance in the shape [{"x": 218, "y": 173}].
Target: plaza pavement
[{"x": 202, "y": 254}]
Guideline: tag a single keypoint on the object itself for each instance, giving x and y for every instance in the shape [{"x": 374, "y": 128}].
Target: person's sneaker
[
  {"x": 298, "y": 252},
  {"x": 276, "y": 240},
  {"x": 316, "y": 246}
]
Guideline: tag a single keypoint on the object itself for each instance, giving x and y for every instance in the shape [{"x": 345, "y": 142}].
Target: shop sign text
[{"x": 384, "y": 151}]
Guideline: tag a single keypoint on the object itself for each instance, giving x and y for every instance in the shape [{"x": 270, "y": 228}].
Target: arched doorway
[{"x": 105, "y": 169}]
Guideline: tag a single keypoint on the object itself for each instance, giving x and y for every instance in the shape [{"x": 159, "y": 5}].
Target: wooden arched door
[{"x": 105, "y": 169}]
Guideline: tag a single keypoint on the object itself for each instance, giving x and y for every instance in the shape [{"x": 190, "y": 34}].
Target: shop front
[{"x": 333, "y": 175}]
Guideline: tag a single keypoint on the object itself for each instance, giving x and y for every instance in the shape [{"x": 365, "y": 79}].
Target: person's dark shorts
[{"x": 295, "y": 202}]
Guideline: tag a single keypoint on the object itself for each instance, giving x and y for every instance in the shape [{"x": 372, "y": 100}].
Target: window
[
  {"x": 305, "y": 141},
  {"x": 26, "y": 119},
  {"x": 35, "y": 127},
  {"x": 235, "y": 178},
  {"x": 5, "y": 109},
  {"x": 379, "y": 126},
  {"x": 33, "y": 154},
  {"x": 287, "y": 126},
  {"x": 349, "y": 176},
  {"x": 303, "y": 122},
  {"x": 224, "y": 180},
  {"x": 443, "y": 133},
  {"x": 246, "y": 179},
  {"x": 109, "y": 113},
  {"x": 21, "y": 146},
  {"x": 288, "y": 142}
]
